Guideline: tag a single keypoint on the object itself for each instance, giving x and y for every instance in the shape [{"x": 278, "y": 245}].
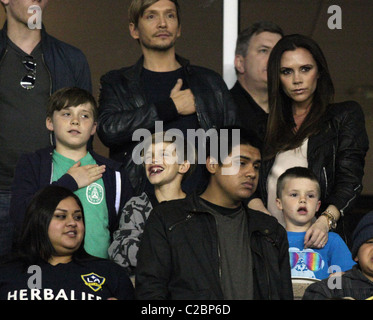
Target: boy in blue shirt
[
  {"x": 100, "y": 183},
  {"x": 298, "y": 194}
]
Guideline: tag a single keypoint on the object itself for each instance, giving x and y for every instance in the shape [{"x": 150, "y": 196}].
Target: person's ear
[
  {"x": 239, "y": 63},
  {"x": 279, "y": 203},
  {"x": 94, "y": 127},
  {"x": 184, "y": 167},
  {"x": 318, "y": 205},
  {"x": 211, "y": 165},
  {"x": 134, "y": 32},
  {"x": 49, "y": 124}
]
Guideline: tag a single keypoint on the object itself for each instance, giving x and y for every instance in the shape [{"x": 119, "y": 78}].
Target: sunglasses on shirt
[
  {"x": 312, "y": 260},
  {"x": 28, "y": 81}
]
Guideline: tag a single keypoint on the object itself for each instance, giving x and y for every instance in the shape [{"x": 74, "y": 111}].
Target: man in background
[{"x": 250, "y": 92}]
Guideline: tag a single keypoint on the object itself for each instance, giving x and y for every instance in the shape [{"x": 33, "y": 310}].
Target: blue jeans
[{"x": 6, "y": 227}]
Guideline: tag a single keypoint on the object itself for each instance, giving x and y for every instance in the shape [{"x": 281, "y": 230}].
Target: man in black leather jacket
[
  {"x": 161, "y": 86},
  {"x": 212, "y": 246}
]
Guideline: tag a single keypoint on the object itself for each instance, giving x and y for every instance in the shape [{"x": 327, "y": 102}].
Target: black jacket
[
  {"x": 336, "y": 155},
  {"x": 124, "y": 108},
  {"x": 352, "y": 284},
  {"x": 66, "y": 64},
  {"x": 249, "y": 112},
  {"x": 178, "y": 256}
]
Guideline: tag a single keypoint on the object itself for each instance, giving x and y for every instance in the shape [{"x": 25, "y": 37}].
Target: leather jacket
[
  {"x": 336, "y": 155},
  {"x": 179, "y": 254},
  {"x": 124, "y": 108}
]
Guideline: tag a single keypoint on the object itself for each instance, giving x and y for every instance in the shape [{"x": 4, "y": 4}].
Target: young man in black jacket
[
  {"x": 161, "y": 86},
  {"x": 212, "y": 246}
]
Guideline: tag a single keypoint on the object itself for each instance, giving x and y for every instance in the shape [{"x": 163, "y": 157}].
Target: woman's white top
[{"x": 283, "y": 161}]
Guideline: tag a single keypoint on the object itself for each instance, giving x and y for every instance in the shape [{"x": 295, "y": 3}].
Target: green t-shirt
[{"x": 97, "y": 234}]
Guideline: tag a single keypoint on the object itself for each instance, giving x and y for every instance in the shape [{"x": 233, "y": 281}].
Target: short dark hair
[
  {"x": 225, "y": 136},
  {"x": 245, "y": 35},
  {"x": 293, "y": 173},
  {"x": 138, "y": 7},
  {"x": 70, "y": 97},
  {"x": 34, "y": 243}
]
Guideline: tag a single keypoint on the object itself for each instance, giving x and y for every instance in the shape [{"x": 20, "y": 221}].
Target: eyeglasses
[
  {"x": 312, "y": 260},
  {"x": 28, "y": 81}
]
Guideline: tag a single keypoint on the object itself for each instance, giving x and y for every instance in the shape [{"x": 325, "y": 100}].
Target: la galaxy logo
[
  {"x": 95, "y": 193},
  {"x": 94, "y": 281}
]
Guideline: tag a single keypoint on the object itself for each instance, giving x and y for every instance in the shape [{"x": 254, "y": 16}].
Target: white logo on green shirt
[{"x": 95, "y": 193}]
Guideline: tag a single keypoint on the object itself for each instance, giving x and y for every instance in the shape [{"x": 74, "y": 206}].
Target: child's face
[
  {"x": 72, "y": 126},
  {"x": 161, "y": 164},
  {"x": 299, "y": 201},
  {"x": 365, "y": 259}
]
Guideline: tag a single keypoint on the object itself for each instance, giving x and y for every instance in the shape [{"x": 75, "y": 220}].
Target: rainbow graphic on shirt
[
  {"x": 312, "y": 260},
  {"x": 304, "y": 263}
]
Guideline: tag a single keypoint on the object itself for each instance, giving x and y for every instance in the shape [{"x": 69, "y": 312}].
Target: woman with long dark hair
[
  {"x": 305, "y": 128},
  {"x": 51, "y": 245}
]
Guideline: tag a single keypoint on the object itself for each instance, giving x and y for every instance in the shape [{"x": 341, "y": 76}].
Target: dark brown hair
[
  {"x": 34, "y": 243},
  {"x": 280, "y": 128},
  {"x": 70, "y": 97}
]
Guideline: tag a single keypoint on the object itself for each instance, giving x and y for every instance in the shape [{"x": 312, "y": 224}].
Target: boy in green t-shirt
[{"x": 100, "y": 183}]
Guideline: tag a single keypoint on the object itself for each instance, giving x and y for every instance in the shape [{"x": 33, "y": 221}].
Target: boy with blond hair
[{"x": 166, "y": 164}]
